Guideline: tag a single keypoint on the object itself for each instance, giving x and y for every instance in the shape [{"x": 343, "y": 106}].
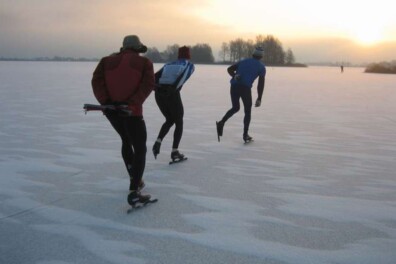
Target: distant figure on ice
[
  {"x": 243, "y": 74},
  {"x": 342, "y": 68},
  {"x": 125, "y": 78},
  {"x": 169, "y": 81}
]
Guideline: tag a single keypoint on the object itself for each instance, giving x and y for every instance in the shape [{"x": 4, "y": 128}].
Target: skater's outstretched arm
[{"x": 260, "y": 90}]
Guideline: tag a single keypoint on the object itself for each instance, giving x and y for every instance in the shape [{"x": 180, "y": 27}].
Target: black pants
[
  {"x": 171, "y": 106},
  {"x": 244, "y": 93},
  {"x": 133, "y": 133}
]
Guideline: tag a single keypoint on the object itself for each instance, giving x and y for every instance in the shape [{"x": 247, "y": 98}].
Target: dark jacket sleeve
[{"x": 99, "y": 84}]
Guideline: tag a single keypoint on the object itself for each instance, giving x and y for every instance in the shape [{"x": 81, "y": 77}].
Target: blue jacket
[{"x": 247, "y": 71}]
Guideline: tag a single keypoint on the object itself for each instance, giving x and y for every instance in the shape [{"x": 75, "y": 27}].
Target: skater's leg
[
  {"x": 163, "y": 131},
  {"x": 137, "y": 134},
  {"x": 165, "y": 107},
  {"x": 166, "y": 126},
  {"x": 127, "y": 156},
  {"x": 247, "y": 104},
  {"x": 235, "y": 95},
  {"x": 177, "y": 114},
  {"x": 126, "y": 148},
  {"x": 177, "y": 135}
]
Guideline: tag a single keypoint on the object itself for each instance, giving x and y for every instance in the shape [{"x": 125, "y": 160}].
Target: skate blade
[
  {"x": 177, "y": 160},
  {"x": 140, "y": 205},
  {"x": 218, "y": 135}
]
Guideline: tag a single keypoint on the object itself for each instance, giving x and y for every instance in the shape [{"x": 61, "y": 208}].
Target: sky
[{"x": 316, "y": 31}]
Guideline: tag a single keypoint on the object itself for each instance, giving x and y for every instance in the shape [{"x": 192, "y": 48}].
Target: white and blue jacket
[{"x": 175, "y": 73}]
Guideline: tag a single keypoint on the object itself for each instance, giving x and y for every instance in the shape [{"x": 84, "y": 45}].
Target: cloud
[
  {"x": 71, "y": 28},
  {"x": 340, "y": 50},
  {"x": 96, "y": 28}
]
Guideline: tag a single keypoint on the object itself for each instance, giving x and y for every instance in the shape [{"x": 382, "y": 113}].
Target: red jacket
[{"x": 124, "y": 77}]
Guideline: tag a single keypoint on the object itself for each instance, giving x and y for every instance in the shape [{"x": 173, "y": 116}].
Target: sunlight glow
[
  {"x": 367, "y": 27},
  {"x": 368, "y": 36},
  {"x": 362, "y": 22}
]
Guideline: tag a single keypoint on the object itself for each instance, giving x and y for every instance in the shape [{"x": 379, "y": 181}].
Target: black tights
[
  {"x": 245, "y": 94},
  {"x": 171, "y": 107},
  {"x": 132, "y": 131}
]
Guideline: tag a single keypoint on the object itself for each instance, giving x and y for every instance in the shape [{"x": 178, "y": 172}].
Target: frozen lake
[{"x": 318, "y": 184}]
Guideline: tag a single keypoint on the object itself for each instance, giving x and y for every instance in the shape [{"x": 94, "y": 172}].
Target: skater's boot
[
  {"x": 140, "y": 187},
  {"x": 156, "y": 148},
  {"x": 247, "y": 138},
  {"x": 176, "y": 155},
  {"x": 135, "y": 197},
  {"x": 219, "y": 127}
]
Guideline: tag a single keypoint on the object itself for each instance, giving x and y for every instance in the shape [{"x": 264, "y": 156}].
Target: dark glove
[{"x": 258, "y": 103}]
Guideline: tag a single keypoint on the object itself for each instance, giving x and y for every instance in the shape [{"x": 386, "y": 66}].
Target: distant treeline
[
  {"x": 234, "y": 50},
  {"x": 200, "y": 53},
  {"x": 274, "y": 54},
  {"x": 55, "y": 58},
  {"x": 230, "y": 52},
  {"x": 382, "y": 67}
]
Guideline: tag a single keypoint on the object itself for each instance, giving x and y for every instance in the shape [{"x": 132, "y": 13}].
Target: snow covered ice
[{"x": 317, "y": 185}]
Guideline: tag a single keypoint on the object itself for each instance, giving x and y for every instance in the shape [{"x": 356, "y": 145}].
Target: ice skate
[
  {"x": 219, "y": 127},
  {"x": 176, "y": 157},
  {"x": 247, "y": 138},
  {"x": 156, "y": 149},
  {"x": 135, "y": 198}
]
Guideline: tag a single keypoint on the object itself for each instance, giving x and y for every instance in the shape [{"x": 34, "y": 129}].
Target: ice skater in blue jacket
[{"x": 243, "y": 74}]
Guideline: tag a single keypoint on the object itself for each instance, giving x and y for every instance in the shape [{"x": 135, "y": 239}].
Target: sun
[
  {"x": 367, "y": 32},
  {"x": 368, "y": 36}
]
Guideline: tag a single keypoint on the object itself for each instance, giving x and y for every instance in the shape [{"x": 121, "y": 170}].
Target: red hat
[{"x": 184, "y": 53}]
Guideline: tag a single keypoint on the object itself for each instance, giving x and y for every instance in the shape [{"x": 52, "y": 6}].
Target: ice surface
[{"x": 316, "y": 186}]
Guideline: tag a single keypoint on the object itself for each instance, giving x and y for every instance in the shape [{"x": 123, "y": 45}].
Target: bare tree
[
  {"x": 273, "y": 51},
  {"x": 224, "y": 51},
  {"x": 289, "y": 57},
  {"x": 154, "y": 55},
  {"x": 232, "y": 51},
  {"x": 248, "y": 48},
  {"x": 202, "y": 53},
  {"x": 170, "y": 54},
  {"x": 237, "y": 49}
]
